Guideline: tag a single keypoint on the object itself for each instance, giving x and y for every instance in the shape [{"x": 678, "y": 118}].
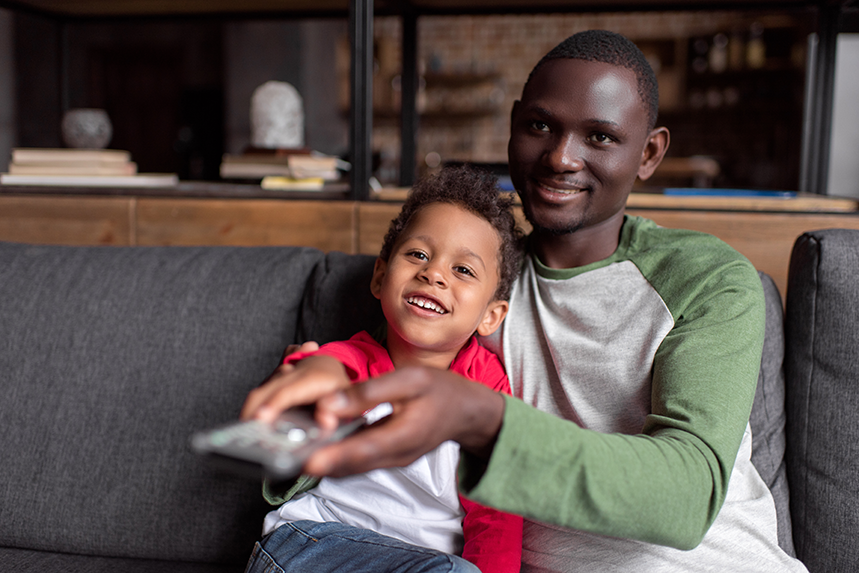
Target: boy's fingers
[
  {"x": 308, "y": 346},
  {"x": 289, "y": 386},
  {"x": 259, "y": 395}
]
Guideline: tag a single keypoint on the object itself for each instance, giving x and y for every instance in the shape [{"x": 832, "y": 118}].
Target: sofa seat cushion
[{"x": 29, "y": 561}]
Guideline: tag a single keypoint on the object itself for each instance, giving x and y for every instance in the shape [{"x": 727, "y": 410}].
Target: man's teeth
[
  {"x": 563, "y": 191},
  {"x": 427, "y": 304}
]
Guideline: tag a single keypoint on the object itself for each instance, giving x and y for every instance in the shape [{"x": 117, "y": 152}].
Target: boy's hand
[
  {"x": 430, "y": 407},
  {"x": 297, "y": 384},
  {"x": 308, "y": 346}
]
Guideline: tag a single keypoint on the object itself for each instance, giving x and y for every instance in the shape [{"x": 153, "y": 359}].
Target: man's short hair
[
  {"x": 476, "y": 190},
  {"x": 610, "y": 48}
]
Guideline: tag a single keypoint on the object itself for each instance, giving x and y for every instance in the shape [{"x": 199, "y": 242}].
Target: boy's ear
[
  {"x": 378, "y": 274},
  {"x": 492, "y": 318},
  {"x": 654, "y": 151}
]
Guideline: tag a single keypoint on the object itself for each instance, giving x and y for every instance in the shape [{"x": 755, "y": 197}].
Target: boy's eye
[
  {"x": 464, "y": 271},
  {"x": 420, "y": 255}
]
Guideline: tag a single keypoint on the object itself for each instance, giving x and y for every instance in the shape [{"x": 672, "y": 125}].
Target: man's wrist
[{"x": 483, "y": 416}]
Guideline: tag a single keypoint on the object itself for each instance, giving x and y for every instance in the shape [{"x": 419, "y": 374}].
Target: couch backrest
[
  {"x": 822, "y": 371},
  {"x": 338, "y": 302},
  {"x": 110, "y": 358},
  {"x": 768, "y": 414}
]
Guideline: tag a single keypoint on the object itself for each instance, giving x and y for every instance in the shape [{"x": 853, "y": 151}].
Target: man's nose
[{"x": 565, "y": 154}]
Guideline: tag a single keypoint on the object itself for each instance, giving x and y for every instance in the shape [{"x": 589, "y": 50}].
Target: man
[{"x": 635, "y": 351}]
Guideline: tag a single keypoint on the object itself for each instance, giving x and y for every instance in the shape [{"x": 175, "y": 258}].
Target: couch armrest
[{"x": 822, "y": 398}]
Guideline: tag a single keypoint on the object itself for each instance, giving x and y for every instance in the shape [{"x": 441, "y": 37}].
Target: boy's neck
[{"x": 403, "y": 355}]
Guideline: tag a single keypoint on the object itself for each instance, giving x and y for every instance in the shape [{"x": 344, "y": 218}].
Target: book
[
  {"x": 256, "y": 165},
  {"x": 51, "y": 155},
  {"x": 277, "y": 183},
  {"x": 74, "y": 168},
  {"x": 139, "y": 180},
  {"x": 231, "y": 170}
]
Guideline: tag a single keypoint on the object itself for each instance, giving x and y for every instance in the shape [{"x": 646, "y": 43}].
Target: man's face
[{"x": 576, "y": 145}]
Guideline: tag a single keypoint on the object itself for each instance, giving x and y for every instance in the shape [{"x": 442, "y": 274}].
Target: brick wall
[{"x": 510, "y": 45}]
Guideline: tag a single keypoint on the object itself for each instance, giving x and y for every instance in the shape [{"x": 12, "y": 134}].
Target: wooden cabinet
[
  {"x": 763, "y": 230},
  {"x": 67, "y": 220},
  {"x": 328, "y": 225}
]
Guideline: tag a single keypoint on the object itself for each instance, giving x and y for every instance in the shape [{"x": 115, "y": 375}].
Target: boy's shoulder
[{"x": 481, "y": 365}]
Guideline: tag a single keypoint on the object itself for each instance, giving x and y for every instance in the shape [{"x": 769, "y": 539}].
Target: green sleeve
[
  {"x": 279, "y": 493},
  {"x": 667, "y": 484}
]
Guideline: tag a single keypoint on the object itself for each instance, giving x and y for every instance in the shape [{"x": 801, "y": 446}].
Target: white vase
[{"x": 86, "y": 128}]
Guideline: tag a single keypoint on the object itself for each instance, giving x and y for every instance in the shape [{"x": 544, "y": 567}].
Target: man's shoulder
[
  {"x": 660, "y": 246},
  {"x": 681, "y": 263}
]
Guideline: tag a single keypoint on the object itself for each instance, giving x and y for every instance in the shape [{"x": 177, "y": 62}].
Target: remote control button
[{"x": 296, "y": 435}]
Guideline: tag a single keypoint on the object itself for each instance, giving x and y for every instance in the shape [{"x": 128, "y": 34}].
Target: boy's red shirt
[{"x": 493, "y": 539}]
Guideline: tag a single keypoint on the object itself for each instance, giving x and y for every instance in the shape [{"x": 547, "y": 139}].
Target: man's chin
[{"x": 550, "y": 229}]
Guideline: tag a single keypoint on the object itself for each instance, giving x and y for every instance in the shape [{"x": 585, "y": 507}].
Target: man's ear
[
  {"x": 495, "y": 313},
  {"x": 378, "y": 274},
  {"x": 654, "y": 151}
]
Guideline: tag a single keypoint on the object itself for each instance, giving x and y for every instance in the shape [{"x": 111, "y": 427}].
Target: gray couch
[{"x": 111, "y": 357}]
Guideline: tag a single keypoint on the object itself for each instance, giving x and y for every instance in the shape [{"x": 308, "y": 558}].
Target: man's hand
[{"x": 429, "y": 407}]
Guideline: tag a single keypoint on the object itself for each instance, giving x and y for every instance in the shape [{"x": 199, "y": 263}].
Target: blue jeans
[{"x": 311, "y": 547}]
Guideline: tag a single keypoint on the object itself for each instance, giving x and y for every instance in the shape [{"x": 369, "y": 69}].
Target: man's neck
[{"x": 580, "y": 248}]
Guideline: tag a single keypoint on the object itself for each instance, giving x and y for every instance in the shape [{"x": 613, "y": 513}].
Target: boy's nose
[
  {"x": 564, "y": 155},
  {"x": 433, "y": 275}
]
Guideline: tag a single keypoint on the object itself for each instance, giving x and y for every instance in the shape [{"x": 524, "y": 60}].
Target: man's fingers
[
  {"x": 390, "y": 444},
  {"x": 403, "y": 385}
]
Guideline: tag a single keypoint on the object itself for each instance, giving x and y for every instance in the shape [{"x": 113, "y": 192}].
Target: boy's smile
[{"x": 438, "y": 286}]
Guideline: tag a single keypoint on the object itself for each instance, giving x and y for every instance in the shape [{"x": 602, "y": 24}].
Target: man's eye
[
  {"x": 601, "y": 138},
  {"x": 539, "y": 126}
]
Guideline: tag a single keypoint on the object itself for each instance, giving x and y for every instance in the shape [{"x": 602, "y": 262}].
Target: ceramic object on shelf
[
  {"x": 277, "y": 116},
  {"x": 86, "y": 128}
]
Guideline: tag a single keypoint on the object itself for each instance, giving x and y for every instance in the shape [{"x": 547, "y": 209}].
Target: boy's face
[
  {"x": 579, "y": 137},
  {"x": 438, "y": 286}
]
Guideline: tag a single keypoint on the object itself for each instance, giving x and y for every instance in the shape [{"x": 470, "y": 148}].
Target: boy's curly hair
[{"x": 477, "y": 191}]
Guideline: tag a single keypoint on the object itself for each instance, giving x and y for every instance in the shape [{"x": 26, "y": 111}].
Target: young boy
[{"x": 443, "y": 275}]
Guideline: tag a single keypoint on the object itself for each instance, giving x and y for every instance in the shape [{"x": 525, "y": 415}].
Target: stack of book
[
  {"x": 283, "y": 168},
  {"x": 79, "y": 167}
]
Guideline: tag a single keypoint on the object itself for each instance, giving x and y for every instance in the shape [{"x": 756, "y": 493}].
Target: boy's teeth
[{"x": 423, "y": 303}]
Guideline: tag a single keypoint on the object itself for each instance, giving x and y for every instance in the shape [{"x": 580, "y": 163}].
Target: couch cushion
[
  {"x": 822, "y": 370},
  {"x": 339, "y": 302},
  {"x": 29, "y": 561},
  {"x": 768, "y": 415},
  {"x": 111, "y": 357}
]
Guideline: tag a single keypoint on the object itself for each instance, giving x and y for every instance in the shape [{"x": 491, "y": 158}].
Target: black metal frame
[
  {"x": 361, "y": 123},
  {"x": 819, "y": 77}
]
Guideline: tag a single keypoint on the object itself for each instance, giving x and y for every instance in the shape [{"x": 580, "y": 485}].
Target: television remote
[{"x": 277, "y": 450}]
